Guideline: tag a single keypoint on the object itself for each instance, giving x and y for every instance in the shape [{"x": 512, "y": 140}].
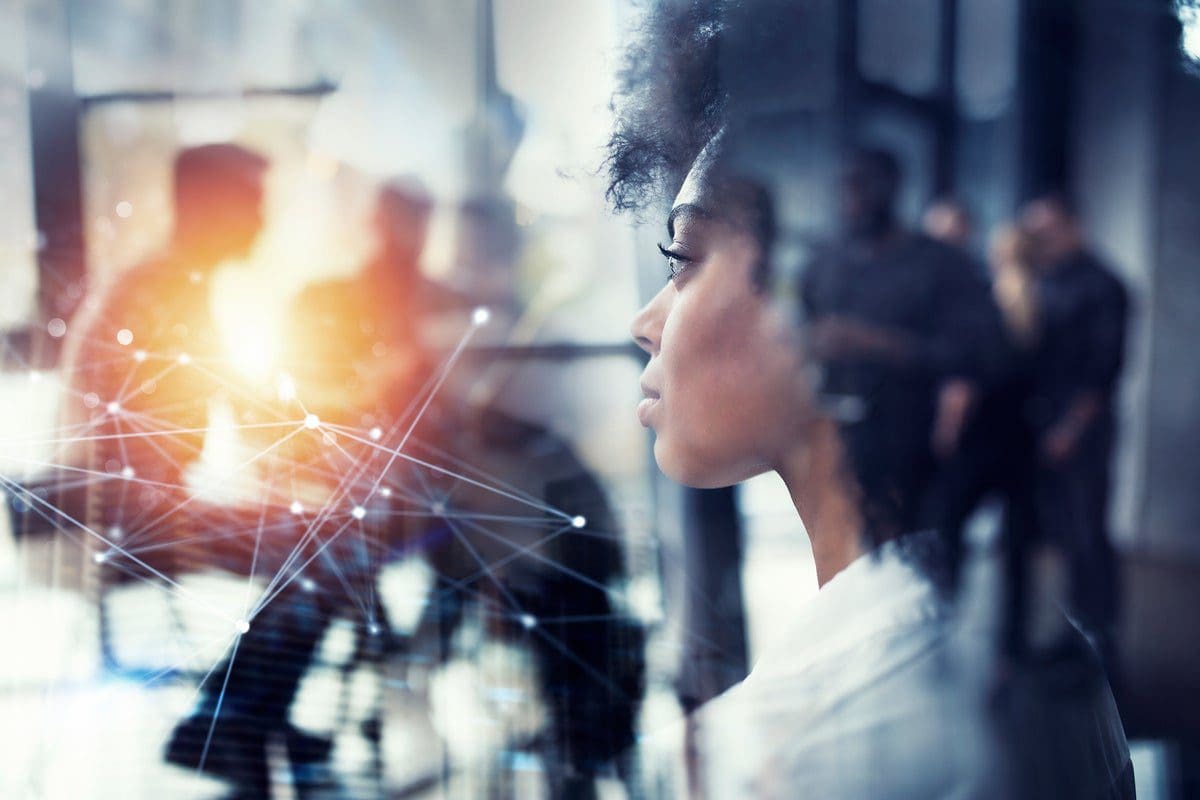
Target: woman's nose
[{"x": 648, "y": 324}]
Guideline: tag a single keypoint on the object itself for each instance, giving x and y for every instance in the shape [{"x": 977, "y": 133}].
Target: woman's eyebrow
[{"x": 681, "y": 210}]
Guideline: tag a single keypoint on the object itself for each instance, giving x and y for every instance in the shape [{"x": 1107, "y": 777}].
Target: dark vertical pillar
[
  {"x": 57, "y": 184},
  {"x": 714, "y": 635},
  {"x": 1049, "y": 54},
  {"x": 849, "y": 94},
  {"x": 945, "y": 126}
]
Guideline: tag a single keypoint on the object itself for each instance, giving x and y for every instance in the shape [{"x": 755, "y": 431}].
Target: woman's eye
[
  {"x": 676, "y": 264},
  {"x": 674, "y": 267}
]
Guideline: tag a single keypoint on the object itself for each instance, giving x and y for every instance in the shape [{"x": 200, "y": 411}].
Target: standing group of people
[
  {"x": 1040, "y": 429},
  {"x": 1002, "y": 381}
]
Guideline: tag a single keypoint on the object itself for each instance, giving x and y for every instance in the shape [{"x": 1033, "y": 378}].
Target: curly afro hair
[
  {"x": 693, "y": 68},
  {"x": 669, "y": 101}
]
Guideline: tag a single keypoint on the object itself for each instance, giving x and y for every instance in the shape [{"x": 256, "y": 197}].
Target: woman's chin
[{"x": 695, "y": 471}]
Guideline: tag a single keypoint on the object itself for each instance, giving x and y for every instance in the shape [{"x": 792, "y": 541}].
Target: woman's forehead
[
  {"x": 710, "y": 194},
  {"x": 692, "y": 191},
  {"x": 694, "y": 200}
]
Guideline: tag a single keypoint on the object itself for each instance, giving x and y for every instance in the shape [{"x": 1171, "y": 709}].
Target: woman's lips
[{"x": 645, "y": 409}]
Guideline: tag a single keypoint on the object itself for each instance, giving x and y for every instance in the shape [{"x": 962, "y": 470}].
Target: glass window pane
[
  {"x": 899, "y": 43},
  {"x": 986, "y": 74}
]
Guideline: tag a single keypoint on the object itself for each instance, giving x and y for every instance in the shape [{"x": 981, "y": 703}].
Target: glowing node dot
[
  {"x": 139, "y": 355},
  {"x": 311, "y": 421},
  {"x": 124, "y": 337},
  {"x": 359, "y": 512},
  {"x": 243, "y": 626},
  {"x": 113, "y": 407},
  {"x": 578, "y": 522},
  {"x": 480, "y": 316},
  {"x": 386, "y": 491},
  {"x": 296, "y": 507},
  {"x": 57, "y": 328},
  {"x": 115, "y": 532},
  {"x": 124, "y": 209},
  {"x": 373, "y": 629},
  {"x": 439, "y": 508},
  {"x": 528, "y": 621},
  {"x": 184, "y": 358},
  {"x": 376, "y": 433},
  {"x": 127, "y": 473},
  {"x": 99, "y": 558},
  {"x": 308, "y": 584}
]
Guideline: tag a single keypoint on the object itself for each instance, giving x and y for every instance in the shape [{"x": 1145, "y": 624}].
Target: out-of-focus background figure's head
[
  {"x": 949, "y": 221},
  {"x": 1053, "y": 229},
  {"x": 401, "y": 219},
  {"x": 870, "y": 181},
  {"x": 218, "y": 192}
]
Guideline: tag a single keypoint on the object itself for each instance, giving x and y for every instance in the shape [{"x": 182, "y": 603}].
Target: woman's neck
[{"x": 822, "y": 490}]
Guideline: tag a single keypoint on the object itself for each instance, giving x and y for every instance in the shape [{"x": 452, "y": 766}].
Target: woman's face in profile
[{"x": 724, "y": 389}]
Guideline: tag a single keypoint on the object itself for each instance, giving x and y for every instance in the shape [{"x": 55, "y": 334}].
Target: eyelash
[{"x": 676, "y": 263}]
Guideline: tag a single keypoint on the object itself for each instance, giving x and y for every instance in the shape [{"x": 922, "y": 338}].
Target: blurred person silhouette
[
  {"x": 356, "y": 346},
  {"x": 350, "y": 347},
  {"x": 902, "y": 327},
  {"x": 143, "y": 357},
  {"x": 878, "y": 687},
  {"x": 1082, "y": 312},
  {"x": 964, "y": 434},
  {"x": 353, "y": 353},
  {"x": 994, "y": 454},
  {"x": 949, "y": 221}
]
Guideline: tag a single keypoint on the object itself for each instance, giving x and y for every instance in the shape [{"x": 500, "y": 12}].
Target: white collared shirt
[{"x": 878, "y": 691}]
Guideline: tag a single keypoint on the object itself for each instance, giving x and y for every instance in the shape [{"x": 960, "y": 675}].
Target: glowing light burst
[
  {"x": 286, "y": 390},
  {"x": 222, "y": 458},
  {"x": 249, "y": 311}
]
